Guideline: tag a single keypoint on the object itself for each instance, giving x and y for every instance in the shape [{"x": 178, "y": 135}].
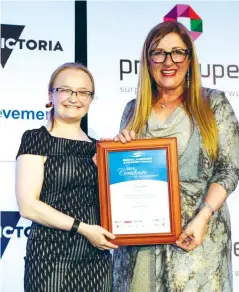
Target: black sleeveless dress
[{"x": 56, "y": 262}]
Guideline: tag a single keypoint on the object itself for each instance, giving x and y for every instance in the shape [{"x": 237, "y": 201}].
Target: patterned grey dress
[{"x": 167, "y": 268}]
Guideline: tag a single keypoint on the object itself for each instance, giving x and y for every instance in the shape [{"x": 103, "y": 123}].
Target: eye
[
  {"x": 64, "y": 90},
  {"x": 158, "y": 53},
  {"x": 83, "y": 93},
  {"x": 179, "y": 52}
]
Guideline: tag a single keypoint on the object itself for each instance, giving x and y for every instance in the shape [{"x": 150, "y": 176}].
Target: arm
[
  {"x": 225, "y": 175},
  {"x": 226, "y": 170},
  {"x": 29, "y": 180}
]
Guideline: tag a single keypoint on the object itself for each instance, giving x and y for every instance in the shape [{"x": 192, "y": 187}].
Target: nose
[
  {"x": 73, "y": 98},
  {"x": 168, "y": 61}
]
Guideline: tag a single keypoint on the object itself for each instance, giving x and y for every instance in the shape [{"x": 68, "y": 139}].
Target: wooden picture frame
[{"x": 135, "y": 180}]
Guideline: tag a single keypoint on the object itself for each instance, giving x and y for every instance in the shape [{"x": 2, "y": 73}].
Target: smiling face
[
  {"x": 169, "y": 75},
  {"x": 71, "y": 107}
]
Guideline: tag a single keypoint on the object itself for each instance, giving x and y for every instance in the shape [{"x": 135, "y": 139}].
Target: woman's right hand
[
  {"x": 125, "y": 136},
  {"x": 97, "y": 236}
]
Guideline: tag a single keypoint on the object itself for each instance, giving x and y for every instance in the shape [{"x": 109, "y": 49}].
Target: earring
[
  {"x": 49, "y": 104},
  {"x": 188, "y": 78}
]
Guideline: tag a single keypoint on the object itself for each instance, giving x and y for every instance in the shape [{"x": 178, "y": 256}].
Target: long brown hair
[
  {"x": 74, "y": 66},
  {"x": 196, "y": 106}
]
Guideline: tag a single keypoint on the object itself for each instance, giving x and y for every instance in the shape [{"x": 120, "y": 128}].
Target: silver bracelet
[{"x": 205, "y": 204}]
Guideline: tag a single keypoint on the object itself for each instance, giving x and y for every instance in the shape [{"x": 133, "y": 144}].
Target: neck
[
  {"x": 68, "y": 130},
  {"x": 169, "y": 95},
  {"x": 169, "y": 98}
]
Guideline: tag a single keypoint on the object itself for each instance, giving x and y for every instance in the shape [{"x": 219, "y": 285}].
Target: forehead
[
  {"x": 170, "y": 41},
  {"x": 74, "y": 78}
]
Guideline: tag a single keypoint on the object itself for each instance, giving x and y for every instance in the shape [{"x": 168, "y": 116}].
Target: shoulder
[
  {"x": 93, "y": 140},
  {"x": 213, "y": 94},
  {"x": 221, "y": 107},
  {"x": 33, "y": 142},
  {"x": 129, "y": 108},
  {"x": 131, "y": 104},
  {"x": 215, "y": 97},
  {"x": 34, "y": 134},
  {"x": 127, "y": 113}
]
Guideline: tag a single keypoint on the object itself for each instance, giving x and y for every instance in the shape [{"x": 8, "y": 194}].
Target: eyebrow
[
  {"x": 174, "y": 48},
  {"x": 79, "y": 88}
]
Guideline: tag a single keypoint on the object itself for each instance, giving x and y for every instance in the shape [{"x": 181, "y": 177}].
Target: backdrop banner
[
  {"x": 36, "y": 37},
  {"x": 115, "y": 41}
]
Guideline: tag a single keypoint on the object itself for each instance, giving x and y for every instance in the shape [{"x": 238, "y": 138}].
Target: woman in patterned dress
[
  {"x": 172, "y": 103},
  {"x": 56, "y": 188}
]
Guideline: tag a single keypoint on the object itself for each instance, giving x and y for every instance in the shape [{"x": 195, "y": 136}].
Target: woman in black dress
[{"x": 56, "y": 188}]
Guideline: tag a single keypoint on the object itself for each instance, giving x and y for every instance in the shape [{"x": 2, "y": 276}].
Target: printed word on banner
[
  {"x": 9, "y": 228},
  {"x": 10, "y": 39}
]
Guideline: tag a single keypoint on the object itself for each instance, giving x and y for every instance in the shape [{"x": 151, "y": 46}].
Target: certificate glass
[{"x": 139, "y": 190}]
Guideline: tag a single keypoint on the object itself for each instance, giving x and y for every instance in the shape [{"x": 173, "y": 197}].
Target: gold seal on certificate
[{"x": 139, "y": 190}]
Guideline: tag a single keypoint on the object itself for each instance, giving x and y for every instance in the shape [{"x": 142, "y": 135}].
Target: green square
[{"x": 196, "y": 25}]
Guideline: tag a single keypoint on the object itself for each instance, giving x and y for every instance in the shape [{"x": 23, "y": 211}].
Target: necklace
[{"x": 164, "y": 104}]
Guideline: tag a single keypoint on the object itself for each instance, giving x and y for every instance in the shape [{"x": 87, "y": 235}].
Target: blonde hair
[
  {"x": 74, "y": 66},
  {"x": 196, "y": 106}
]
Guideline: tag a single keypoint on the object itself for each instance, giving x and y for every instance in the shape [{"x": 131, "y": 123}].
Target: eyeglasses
[
  {"x": 67, "y": 92},
  {"x": 177, "y": 56}
]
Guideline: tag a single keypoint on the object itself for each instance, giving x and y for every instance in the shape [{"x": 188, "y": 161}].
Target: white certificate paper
[{"x": 139, "y": 192}]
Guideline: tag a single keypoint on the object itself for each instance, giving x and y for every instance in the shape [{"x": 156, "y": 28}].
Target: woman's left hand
[{"x": 193, "y": 235}]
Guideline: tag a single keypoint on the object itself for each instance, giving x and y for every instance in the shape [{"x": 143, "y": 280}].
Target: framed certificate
[{"x": 139, "y": 190}]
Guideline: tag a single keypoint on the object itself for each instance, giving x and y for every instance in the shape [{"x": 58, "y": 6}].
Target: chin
[
  {"x": 74, "y": 118},
  {"x": 75, "y": 115},
  {"x": 170, "y": 86}
]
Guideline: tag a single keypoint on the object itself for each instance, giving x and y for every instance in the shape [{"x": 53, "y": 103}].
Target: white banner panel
[
  {"x": 115, "y": 40},
  {"x": 36, "y": 37},
  {"x": 116, "y": 32}
]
